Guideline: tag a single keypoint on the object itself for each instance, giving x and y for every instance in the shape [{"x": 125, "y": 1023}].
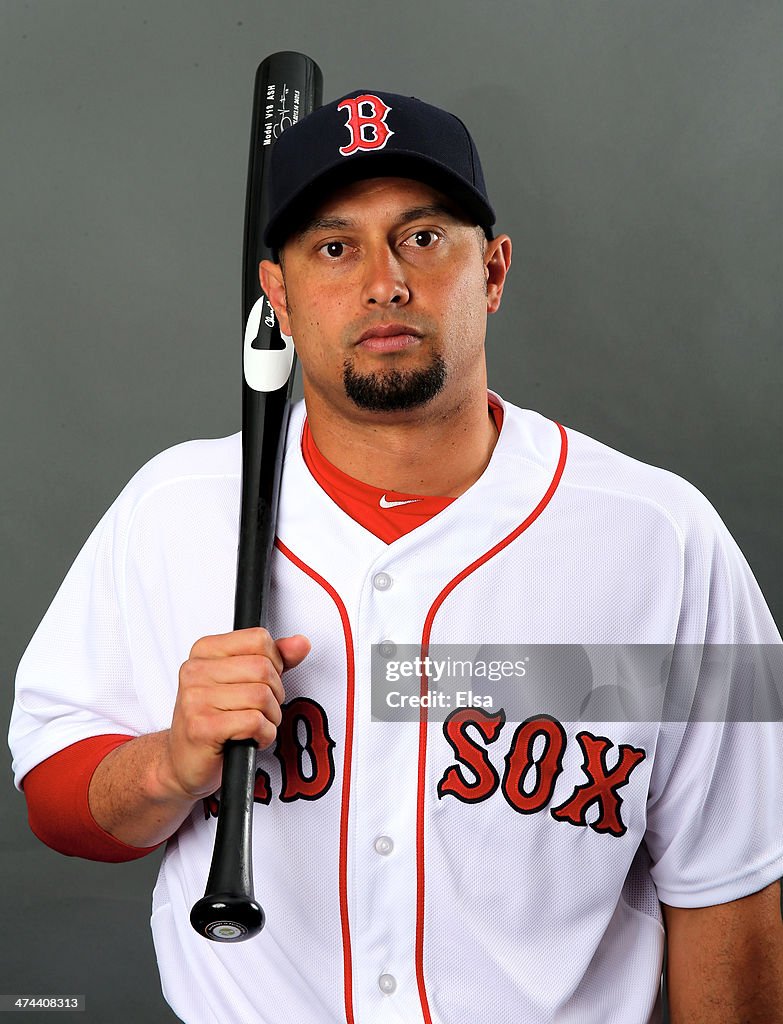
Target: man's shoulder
[
  {"x": 199, "y": 464},
  {"x": 175, "y": 474},
  {"x": 596, "y": 472},
  {"x": 197, "y": 459}
]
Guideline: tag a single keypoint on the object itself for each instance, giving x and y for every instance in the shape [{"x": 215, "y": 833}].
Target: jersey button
[
  {"x": 387, "y": 983},
  {"x": 384, "y": 845},
  {"x": 381, "y": 581},
  {"x": 387, "y": 648}
]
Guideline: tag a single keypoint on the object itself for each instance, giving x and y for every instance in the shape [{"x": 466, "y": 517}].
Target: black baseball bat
[{"x": 287, "y": 87}]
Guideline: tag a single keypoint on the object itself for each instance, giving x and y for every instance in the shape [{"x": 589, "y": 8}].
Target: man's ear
[
  {"x": 497, "y": 260},
  {"x": 271, "y": 277}
]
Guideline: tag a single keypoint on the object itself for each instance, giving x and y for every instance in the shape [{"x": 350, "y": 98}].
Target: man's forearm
[
  {"x": 131, "y": 796},
  {"x": 726, "y": 962}
]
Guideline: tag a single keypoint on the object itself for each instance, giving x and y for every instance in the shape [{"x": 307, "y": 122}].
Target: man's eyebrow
[
  {"x": 434, "y": 211},
  {"x": 325, "y": 224}
]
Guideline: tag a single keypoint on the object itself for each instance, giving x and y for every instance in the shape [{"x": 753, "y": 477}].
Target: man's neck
[{"x": 425, "y": 452}]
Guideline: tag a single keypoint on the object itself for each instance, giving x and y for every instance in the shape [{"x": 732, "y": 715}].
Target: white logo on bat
[{"x": 265, "y": 369}]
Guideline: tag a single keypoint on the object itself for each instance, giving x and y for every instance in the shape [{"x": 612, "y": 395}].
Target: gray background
[{"x": 632, "y": 149}]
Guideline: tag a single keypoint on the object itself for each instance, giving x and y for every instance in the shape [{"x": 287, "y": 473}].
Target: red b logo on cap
[{"x": 366, "y": 123}]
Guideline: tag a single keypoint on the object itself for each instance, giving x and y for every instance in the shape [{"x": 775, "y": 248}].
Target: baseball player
[{"x": 466, "y": 863}]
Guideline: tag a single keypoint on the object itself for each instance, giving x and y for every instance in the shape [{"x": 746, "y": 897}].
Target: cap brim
[{"x": 297, "y": 211}]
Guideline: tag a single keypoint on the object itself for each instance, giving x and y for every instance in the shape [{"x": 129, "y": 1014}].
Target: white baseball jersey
[{"x": 467, "y": 871}]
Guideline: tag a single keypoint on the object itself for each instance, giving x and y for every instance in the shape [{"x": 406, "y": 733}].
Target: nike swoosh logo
[{"x": 385, "y": 503}]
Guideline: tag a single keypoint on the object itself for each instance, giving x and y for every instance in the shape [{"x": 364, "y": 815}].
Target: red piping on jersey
[
  {"x": 347, "y": 757},
  {"x": 425, "y": 643}
]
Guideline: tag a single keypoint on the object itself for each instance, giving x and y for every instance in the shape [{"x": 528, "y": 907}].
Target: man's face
[{"x": 386, "y": 293}]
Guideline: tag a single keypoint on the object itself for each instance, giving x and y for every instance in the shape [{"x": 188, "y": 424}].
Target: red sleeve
[{"x": 57, "y": 805}]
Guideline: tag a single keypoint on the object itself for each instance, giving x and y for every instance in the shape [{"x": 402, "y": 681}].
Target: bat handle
[{"x": 228, "y": 911}]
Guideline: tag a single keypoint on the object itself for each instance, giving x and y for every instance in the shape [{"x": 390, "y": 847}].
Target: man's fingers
[
  {"x": 230, "y": 688},
  {"x": 249, "y": 697},
  {"x": 212, "y": 731},
  {"x": 285, "y": 653},
  {"x": 239, "y": 669},
  {"x": 255, "y": 640},
  {"x": 294, "y": 649}
]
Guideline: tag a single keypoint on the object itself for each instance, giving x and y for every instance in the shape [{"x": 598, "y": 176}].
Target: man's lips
[{"x": 388, "y": 337}]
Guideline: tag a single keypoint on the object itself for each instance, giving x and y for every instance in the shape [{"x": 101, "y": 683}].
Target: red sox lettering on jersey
[
  {"x": 307, "y": 768},
  {"x": 367, "y": 124}
]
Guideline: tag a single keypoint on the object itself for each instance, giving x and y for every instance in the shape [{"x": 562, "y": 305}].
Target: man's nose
[{"x": 385, "y": 282}]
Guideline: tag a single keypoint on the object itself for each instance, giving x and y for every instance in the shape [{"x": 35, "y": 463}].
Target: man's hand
[{"x": 230, "y": 688}]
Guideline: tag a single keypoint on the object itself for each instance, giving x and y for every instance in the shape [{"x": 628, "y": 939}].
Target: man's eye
[
  {"x": 333, "y": 249},
  {"x": 422, "y": 239}
]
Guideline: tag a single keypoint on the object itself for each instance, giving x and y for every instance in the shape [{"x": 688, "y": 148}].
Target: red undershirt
[
  {"x": 362, "y": 502},
  {"x": 57, "y": 789}
]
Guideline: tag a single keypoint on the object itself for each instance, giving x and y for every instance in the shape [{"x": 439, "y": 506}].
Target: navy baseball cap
[{"x": 370, "y": 134}]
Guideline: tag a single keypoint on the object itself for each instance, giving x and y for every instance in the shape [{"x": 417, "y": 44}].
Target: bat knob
[{"x": 227, "y": 918}]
